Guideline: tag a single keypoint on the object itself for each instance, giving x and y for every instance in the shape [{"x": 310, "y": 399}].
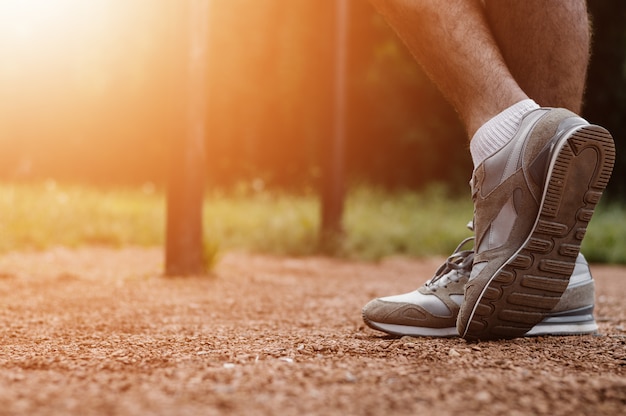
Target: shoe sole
[
  {"x": 579, "y": 321},
  {"x": 574, "y": 322},
  {"x": 528, "y": 286},
  {"x": 544, "y": 328},
  {"x": 416, "y": 331}
]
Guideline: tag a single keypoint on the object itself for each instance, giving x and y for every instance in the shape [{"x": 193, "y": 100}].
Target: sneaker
[
  {"x": 533, "y": 200},
  {"x": 432, "y": 310}
]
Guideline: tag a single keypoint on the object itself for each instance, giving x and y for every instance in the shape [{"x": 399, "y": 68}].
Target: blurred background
[{"x": 91, "y": 93}]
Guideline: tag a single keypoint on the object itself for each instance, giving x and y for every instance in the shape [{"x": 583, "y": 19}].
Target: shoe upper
[
  {"x": 508, "y": 190},
  {"x": 435, "y": 304},
  {"x": 511, "y": 182}
]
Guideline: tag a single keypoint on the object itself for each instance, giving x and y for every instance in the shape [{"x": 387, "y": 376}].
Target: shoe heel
[
  {"x": 602, "y": 142},
  {"x": 585, "y": 138}
]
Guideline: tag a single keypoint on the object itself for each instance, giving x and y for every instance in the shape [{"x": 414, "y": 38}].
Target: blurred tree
[
  {"x": 89, "y": 100},
  {"x": 270, "y": 92},
  {"x": 605, "y": 102},
  {"x": 403, "y": 133}
]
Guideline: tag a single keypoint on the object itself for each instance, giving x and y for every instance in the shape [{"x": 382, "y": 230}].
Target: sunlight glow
[
  {"x": 97, "y": 88},
  {"x": 23, "y": 20},
  {"x": 70, "y": 72}
]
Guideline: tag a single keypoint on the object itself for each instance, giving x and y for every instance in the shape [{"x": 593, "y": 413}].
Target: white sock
[{"x": 498, "y": 131}]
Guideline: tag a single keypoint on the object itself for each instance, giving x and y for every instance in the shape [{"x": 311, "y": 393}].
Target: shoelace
[{"x": 460, "y": 261}]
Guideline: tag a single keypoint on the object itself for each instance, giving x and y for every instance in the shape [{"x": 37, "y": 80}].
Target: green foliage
[
  {"x": 377, "y": 222},
  {"x": 42, "y": 215},
  {"x": 605, "y": 241},
  {"x": 381, "y": 223},
  {"x": 262, "y": 221}
]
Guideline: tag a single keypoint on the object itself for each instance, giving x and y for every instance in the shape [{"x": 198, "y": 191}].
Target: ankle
[{"x": 498, "y": 131}]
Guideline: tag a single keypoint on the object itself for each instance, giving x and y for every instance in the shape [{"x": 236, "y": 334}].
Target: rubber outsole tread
[{"x": 543, "y": 283}]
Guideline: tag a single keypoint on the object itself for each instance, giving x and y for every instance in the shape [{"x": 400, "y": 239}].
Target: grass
[
  {"x": 605, "y": 241},
  {"x": 380, "y": 223},
  {"x": 37, "y": 216},
  {"x": 377, "y": 223}
]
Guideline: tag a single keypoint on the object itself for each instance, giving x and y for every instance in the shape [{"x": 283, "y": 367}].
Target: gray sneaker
[
  {"x": 432, "y": 309},
  {"x": 533, "y": 200}
]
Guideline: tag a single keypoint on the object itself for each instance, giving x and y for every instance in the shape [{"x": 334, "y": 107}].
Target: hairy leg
[
  {"x": 546, "y": 47},
  {"x": 453, "y": 42}
]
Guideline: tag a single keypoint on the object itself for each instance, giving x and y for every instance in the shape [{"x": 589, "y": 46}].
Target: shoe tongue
[{"x": 451, "y": 276}]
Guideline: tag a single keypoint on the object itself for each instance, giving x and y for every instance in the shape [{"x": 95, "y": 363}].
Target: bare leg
[
  {"x": 453, "y": 43},
  {"x": 546, "y": 47}
]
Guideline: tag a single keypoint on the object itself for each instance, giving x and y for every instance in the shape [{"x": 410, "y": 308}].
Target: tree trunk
[
  {"x": 333, "y": 192},
  {"x": 184, "y": 253}
]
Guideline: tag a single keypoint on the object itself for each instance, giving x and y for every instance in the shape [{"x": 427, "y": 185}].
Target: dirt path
[{"x": 99, "y": 332}]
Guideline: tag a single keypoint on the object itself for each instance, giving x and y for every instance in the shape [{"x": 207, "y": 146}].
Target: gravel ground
[{"x": 98, "y": 331}]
